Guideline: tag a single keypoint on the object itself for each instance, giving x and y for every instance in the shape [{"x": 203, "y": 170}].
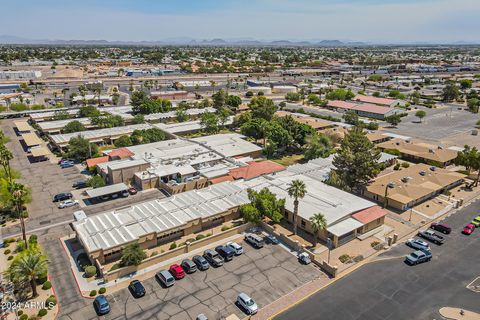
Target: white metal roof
[
  {"x": 98, "y": 192},
  {"x": 60, "y": 124},
  {"x": 344, "y": 227},
  {"x": 228, "y": 145}
]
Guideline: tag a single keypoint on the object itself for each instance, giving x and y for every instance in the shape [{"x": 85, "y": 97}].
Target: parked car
[
  {"x": 468, "y": 229},
  {"x": 431, "y": 236},
  {"x": 418, "y": 256},
  {"x": 62, "y": 196},
  {"x": 67, "y": 203},
  {"x": 441, "y": 227},
  {"x": 476, "y": 221},
  {"x": 136, "y": 288},
  {"x": 304, "y": 258},
  {"x": 270, "y": 238},
  {"x": 189, "y": 266},
  {"x": 247, "y": 303},
  {"x": 132, "y": 190},
  {"x": 236, "y": 247},
  {"x": 79, "y": 184},
  {"x": 255, "y": 240},
  {"x": 201, "y": 316},
  {"x": 201, "y": 262},
  {"x": 67, "y": 164},
  {"x": 225, "y": 252},
  {"x": 213, "y": 258},
  {"x": 101, "y": 305},
  {"x": 65, "y": 160},
  {"x": 417, "y": 244},
  {"x": 124, "y": 193},
  {"x": 165, "y": 278},
  {"x": 177, "y": 271}
]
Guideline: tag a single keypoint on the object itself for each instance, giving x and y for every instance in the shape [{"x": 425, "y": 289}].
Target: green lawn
[{"x": 289, "y": 160}]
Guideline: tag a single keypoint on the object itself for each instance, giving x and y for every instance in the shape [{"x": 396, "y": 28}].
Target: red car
[
  {"x": 468, "y": 229},
  {"x": 177, "y": 271},
  {"x": 132, "y": 190}
]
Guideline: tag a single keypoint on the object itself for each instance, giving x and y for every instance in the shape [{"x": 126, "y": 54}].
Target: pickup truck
[
  {"x": 431, "y": 236},
  {"x": 418, "y": 257}
]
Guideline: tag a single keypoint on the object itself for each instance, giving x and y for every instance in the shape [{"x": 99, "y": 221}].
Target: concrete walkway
[{"x": 455, "y": 314}]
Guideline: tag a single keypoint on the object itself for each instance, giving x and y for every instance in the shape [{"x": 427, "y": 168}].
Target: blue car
[{"x": 101, "y": 305}]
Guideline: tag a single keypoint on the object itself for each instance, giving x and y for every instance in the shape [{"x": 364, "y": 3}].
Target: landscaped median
[{"x": 93, "y": 280}]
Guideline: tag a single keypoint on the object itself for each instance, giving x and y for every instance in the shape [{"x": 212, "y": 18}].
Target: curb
[{"x": 56, "y": 298}]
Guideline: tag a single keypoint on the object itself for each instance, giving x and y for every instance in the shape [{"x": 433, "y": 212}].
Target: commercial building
[
  {"x": 315, "y": 123},
  {"x": 56, "y": 126},
  {"x": 410, "y": 186},
  {"x": 230, "y": 145},
  {"x": 92, "y": 99},
  {"x": 384, "y": 102},
  {"x": 20, "y": 75},
  {"x": 169, "y": 95},
  {"x": 166, "y": 117},
  {"x": 420, "y": 152}
]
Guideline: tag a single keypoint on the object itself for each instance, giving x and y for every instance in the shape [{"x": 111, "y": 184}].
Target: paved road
[
  {"x": 265, "y": 274},
  {"x": 393, "y": 290}
]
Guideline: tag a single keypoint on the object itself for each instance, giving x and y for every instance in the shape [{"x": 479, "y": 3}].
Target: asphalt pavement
[{"x": 391, "y": 289}]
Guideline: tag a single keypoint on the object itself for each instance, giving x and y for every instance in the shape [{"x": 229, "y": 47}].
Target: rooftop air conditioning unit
[
  {"x": 432, "y": 168},
  {"x": 431, "y": 150},
  {"x": 423, "y": 173}
]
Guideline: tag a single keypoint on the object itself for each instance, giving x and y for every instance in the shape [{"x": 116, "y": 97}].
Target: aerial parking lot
[{"x": 264, "y": 274}]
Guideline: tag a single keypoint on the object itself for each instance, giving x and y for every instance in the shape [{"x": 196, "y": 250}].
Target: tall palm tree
[
  {"x": 318, "y": 222},
  {"x": 5, "y": 157},
  {"x": 19, "y": 198},
  {"x": 296, "y": 190},
  {"x": 27, "y": 267}
]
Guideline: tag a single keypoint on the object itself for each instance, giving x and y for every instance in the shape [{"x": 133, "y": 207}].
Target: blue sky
[{"x": 393, "y": 21}]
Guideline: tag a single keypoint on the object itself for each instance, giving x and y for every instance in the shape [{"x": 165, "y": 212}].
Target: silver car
[
  {"x": 236, "y": 247},
  {"x": 417, "y": 244},
  {"x": 247, "y": 303},
  {"x": 67, "y": 203}
]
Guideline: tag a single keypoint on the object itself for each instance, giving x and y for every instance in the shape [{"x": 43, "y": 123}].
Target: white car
[
  {"x": 67, "y": 203},
  {"x": 304, "y": 258},
  {"x": 236, "y": 247},
  {"x": 247, "y": 303},
  {"x": 417, "y": 244}
]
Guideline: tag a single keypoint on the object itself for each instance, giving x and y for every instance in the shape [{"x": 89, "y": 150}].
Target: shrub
[
  {"x": 83, "y": 261},
  {"x": 115, "y": 267},
  {"x": 6, "y": 244},
  {"x": 225, "y": 228},
  {"x": 51, "y": 301},
  {"x": 24, "y": 317},
  {"x": 46, "y": 285},
  {"x": 90, "y": 271},
  {"x": 397, "y": 166},
  {"x": 154, "y": 253},
  {"x": 344, "y": 258},
  {"x": 405, "y": 164},
  {"x": 358, "y": 258},
  {"x": 374, "y": 244},
  {"x": 20, "y": 246},
  {"x": 102, "y": 290},
  {"x": 190, "y": 240},
  {"x": 208, "y": 235},
  {"x": 6, "y": 252},
  {"x": 199, "y": 237},
  {"x": 93, "y": 293},
  {"x": 249, "y": 94},
  {"x": 173, "y": 246},
  {"x": 20, "y": 312},
  {"x": 42, "y": 312},
  {"x": 10, "y": 258}
]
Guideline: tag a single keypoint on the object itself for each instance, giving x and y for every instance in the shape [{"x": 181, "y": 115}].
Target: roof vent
[
  {"x": 431, "y": 150},
  {"x": 423, "y": 173},
  {"x": 432, "y": 168}
]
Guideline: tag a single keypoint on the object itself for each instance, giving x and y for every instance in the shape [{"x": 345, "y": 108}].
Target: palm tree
[
  {"x": 27, "y": 267},
  {"x": 19, "y": 198},
  {"x": 318, "y": 222},
  {"x": 296, "y": 190},
  {"x": 5, "y": 157}
]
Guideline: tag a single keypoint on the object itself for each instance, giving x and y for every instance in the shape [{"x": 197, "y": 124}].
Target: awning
[
  {"x": 23, "y": 126},
  {"x": 103, "y": 191},
  {"x": 31, "y": 139},
  {"x": 42, "y": 151},
  {"x": 344, "y": 227}
]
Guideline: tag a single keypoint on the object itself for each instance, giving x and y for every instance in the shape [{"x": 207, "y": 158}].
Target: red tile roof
[
  {"x": 94, "y": 161},
  {"x": 221, "y": 179},
  {"x": 369, "y": 214},
  {"x": 341, "y": 104},
  {"x": 374, "y": 100},
  {"x": 372, "y": 108},
  {"x": 256, "y": 169},
  {"x": 122, "y": 153}
]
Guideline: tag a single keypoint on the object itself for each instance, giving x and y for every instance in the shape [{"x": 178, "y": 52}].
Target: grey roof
[
  {"x": 118, "y": 227},
  {"x": 228, "y": 145},
  {"x": 173, "y": 114},
  {"x": 114, "y": 188},
  {"x": 344, "y": 227},
  {"x": 60, "y": 124}
]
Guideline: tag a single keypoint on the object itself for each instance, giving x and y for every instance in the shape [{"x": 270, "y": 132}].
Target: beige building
[{"x": 410, "y": 186}]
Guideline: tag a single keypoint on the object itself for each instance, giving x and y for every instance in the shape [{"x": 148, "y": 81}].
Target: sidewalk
[
  {"x": 86, "y": 286},
  {"x": 454, "y": 314}
]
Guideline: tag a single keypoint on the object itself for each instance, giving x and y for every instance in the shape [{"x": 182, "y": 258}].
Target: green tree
[
  {"x": 147, "y": 136},
  {"x": 340, "y": 94},
  {"x": 262, "y": 107},
  {"x": 351, "y": 117},
  {"x": 466, "y": 84},
  {"x": 279, "y": 136},
  {"x": 20, "y": 196},
  {"x": 209, "y": 122},
  {"x": 61, "y": 115},
  {"x": 267, "y": 205},
  {"x": 250, "y": 213},
  {"x": 74, "y": 126},
  {"x": 123, "y": 141},
  {"x": 468, "y": 158},
  {"x": 255, "y": 128},
  {"x": 420, "y": 114},
  {"x": 138, "y": 119},
  {"x": 137, "y": 98},
  {"x": 5, "y": 157},
  {"x": 89, "y": 111},
  {"x": 28, "y": 266},
  {"x": 355, "y": 162},
  {"x": 132, "y": 255},
  {"x": 81, "y": 149},
  {"x": 473, "y": 105},
  {"x": 296, "y": 190},
  {"x": 318, "y": 222},
  {"x": 293, "y": 96},
  {"x": 394, "y": 119},
  {"x": 233, "y": 102},
  {"x": 219, "y": 99},
  {"x": 450, "y": 92},
  {"x": 181, "y": 115},
  {"x": 318, "y": 146},
  {"x": 96, "y": 182}
]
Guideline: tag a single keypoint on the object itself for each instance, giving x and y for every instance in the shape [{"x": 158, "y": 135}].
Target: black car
[
  {"x": 442, "y": 227},
  {"x": 225, "y": 252},
  {"x": 136, "y": 288},
  {"x": 188, "y": 266},
  {"x": 271, "y": 239},
  {"x": 201, "y": 262},
  {"x": 79, "y": 184},
  {"x": 62, "y": 196}
]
